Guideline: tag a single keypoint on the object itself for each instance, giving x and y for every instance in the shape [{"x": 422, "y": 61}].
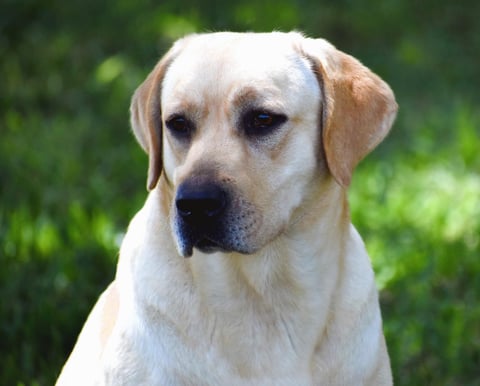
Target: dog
[{"x": 243, "y": 267}]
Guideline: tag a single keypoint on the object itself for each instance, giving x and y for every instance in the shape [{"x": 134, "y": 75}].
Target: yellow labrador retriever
[{"x": 252, "y": 140}]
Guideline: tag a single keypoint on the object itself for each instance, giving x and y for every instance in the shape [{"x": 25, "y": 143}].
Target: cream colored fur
[{"x": 297, "y": 303}]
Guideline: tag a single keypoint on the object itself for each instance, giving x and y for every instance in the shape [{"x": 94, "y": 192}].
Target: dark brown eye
[
  {"x": 262, "y": 122},
  {"x": 179, "y": 125}
]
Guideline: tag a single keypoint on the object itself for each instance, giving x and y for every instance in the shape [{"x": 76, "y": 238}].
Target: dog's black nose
[{"x": 196, "y": 203}]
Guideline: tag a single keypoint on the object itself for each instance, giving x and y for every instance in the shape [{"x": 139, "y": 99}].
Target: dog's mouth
[
  {"x": 202, "y": 243},
  {"x": 207, "y": 245}
]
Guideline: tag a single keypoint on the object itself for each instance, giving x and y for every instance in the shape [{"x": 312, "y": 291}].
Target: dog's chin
[
  {"x": 208, "y": 246},
  {"x": 186, "y": 246}
]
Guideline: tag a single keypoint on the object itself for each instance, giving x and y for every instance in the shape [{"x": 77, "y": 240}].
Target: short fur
[{"x": 286, "y": 294}]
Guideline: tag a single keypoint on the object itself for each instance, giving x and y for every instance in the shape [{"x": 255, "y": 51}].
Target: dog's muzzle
[{"x": 201, "y": 206}]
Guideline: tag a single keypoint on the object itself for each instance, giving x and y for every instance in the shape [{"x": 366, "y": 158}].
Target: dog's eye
[
  {"x": 262, "y": 122},
  {"x": 179, "y": 125}
]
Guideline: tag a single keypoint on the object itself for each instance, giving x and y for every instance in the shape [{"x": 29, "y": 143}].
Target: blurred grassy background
[{"x": 71, "y": 174}]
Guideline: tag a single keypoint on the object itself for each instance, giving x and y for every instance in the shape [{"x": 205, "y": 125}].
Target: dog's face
[
  {"x": 240, "y": 124},
  {"x": 240, "y": 140}
]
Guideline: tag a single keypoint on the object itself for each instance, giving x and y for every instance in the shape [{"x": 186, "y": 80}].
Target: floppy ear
[
  {"x": 146, "y": 117},
  {"x": 358, "y": 108}
]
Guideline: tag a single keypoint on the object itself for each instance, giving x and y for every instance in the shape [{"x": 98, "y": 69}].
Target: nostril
[
  {"x": 212, "y": 207},
  {"x": 200, "y": 202},
  {"x": 184, "y": 207},
  {"x": 199, "y": 207}
]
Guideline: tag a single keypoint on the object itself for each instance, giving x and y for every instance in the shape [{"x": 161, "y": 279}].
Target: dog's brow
[
  {"x": 245, "y": 96},
  {"x": 188, "y": 108}
]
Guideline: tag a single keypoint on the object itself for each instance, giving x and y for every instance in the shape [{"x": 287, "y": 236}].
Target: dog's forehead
[
  {"x": 242, "y": 55},
  {"x": 215, "y": 66}
]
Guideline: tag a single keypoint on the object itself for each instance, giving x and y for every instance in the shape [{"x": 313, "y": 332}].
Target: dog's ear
[
  {"x": 358, "y": 107},
  {"x": 146, "y": 116}
]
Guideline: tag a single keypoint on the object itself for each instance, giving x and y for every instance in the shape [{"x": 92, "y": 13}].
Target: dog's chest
[{"x": 253, "y": 347}]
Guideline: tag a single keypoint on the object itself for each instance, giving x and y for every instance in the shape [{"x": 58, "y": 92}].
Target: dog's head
[{"x": 242, "y": 125}]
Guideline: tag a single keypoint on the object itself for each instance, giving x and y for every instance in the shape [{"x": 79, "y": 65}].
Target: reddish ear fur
[
  {"x": 146, "y": 118},
  {"x": 358, "y": 108}
]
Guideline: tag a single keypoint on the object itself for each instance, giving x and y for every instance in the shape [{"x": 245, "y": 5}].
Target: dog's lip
[{"x": 207, "y": 245}]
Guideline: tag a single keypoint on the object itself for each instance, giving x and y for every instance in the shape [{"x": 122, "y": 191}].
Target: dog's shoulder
[{"x": 88, "y": 350}]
